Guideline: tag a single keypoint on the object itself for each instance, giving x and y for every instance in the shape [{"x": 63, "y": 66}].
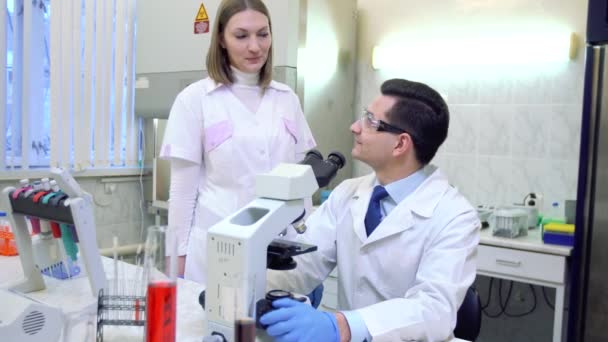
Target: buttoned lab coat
[
  {"x": 409, "y": 277},
  {"x": 209, "y": 126}
]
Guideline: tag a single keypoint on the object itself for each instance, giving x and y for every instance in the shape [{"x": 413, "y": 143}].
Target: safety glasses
[{"x": 369, "y": 121}]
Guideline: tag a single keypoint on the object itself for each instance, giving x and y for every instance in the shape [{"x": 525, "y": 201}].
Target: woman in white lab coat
[
  {"x": 404, "y": 277},
  {"x": 226, "y": 128}
]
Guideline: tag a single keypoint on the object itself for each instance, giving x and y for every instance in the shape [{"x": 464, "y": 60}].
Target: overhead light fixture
[{"x": 506, "y": 49}]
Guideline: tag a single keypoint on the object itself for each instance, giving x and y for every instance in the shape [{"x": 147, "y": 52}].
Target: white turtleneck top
[{"x": 246, "y": 89}]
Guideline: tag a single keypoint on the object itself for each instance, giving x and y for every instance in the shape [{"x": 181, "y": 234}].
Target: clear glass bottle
[{"x": 556, "y": 212}]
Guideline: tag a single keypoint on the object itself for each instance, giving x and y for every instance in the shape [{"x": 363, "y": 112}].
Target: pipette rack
[{"x": 74, "y": 208}]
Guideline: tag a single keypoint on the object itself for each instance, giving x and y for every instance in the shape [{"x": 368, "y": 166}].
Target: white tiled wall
[
  {"x": 525, "y": 138},
  {"x": 509, "y": 134}
]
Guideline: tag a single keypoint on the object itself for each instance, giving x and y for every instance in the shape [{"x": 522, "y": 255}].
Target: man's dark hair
[{"x": 421, "y": 112}]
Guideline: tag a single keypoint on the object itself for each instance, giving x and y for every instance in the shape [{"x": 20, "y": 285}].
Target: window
[{"x": 67, "y": 95}]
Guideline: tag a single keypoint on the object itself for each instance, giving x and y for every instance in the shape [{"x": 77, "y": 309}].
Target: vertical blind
[
  {"x": 3, "y": 80},
  {"x": 68, "y": 96}
]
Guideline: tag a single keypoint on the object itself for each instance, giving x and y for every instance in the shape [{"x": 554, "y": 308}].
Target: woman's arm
[{"x": 183, "y": 192}]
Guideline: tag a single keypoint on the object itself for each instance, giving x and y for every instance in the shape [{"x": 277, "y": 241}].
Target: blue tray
[{"x": 558, "y": 239}]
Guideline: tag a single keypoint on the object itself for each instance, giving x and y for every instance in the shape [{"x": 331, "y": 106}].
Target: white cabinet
[
  {"x": 527, "y": 259},
  {"x": 521, "y": 264}
]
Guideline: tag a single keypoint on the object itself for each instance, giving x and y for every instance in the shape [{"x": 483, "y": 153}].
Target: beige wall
[{"x": 326, "y": 70}]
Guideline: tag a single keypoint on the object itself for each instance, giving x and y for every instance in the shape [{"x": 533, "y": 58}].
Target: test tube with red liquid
[{"x": 160, "y": 268}]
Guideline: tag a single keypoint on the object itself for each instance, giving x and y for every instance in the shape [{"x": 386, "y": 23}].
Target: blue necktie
[{"x": 374, "y": 212}]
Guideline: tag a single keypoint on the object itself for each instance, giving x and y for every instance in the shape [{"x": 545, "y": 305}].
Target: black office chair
[{"x": 468, "y": 321}]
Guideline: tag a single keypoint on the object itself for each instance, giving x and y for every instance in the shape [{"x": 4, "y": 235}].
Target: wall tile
[
  {"x": 495, "y": 130},
  {"x": 530, "y": 131},
  {"x": 496, "y": 91},
  {"x": 463, "y": 133},
  {"x": 461, "y": 172},
  {"x": 463, "y": 92},
  {"x": 565, "y": 131},
  {"x": 531, "y": 89},
  {"x": 567, "y": 86},
  {"x": 494, "y": 180}
]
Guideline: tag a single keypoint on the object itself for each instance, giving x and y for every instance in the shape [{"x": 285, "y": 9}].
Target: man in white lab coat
[{"x": 403, "y": 240}]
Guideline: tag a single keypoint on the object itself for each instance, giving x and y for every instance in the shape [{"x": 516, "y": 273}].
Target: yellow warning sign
[
  {"x": 201, "y": 22},
  {"x": 202, "y": 14}
]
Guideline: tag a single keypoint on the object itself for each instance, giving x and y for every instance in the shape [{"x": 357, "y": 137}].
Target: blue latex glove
[
  {"x": 316, "y": 295},
  {"x": 294, "y": 321}
]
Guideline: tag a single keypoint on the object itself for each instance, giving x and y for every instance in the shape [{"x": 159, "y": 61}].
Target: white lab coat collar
[
  {"x": 210, "y": 85},
  {"x": 426, "y": 197},
  {"x": 422, "y": 202}
]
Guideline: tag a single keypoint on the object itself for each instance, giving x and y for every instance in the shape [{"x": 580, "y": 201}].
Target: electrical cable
[
  {"x": 504, "y": 305},
  {"x": 552, "y": 306},
  {"x": 484, "y": 307}
]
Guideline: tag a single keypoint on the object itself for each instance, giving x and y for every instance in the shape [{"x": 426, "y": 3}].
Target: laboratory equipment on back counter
[
  {"x": 484, "y": 214},
  {"x": 243, "y": 245},
  {"x": 509, "y": 222},
  {"x": 63, "y": 229},
  {"x": 532, "y": 215},
  {"x": 512, "y": 220}
]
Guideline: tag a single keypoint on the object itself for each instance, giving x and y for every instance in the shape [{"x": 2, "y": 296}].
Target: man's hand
[{"x": 293, "y": 321}]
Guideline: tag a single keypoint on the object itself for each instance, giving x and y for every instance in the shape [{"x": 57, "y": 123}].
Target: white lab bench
[
  {"x": 75, "y": 298},
  {"x": 527, "y": 259}
]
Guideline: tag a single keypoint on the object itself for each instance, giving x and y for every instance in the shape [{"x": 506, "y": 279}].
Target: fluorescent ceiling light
[{"x": 492, "y": 50}]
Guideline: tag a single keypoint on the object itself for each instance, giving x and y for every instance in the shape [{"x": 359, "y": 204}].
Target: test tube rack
[
  {"x": 75, "y": 208},
  {"x": 119, "y": 310}
]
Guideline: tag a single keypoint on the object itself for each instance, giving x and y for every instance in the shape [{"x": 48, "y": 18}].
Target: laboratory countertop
[
  {"x": 75, "y": 298},
  {"x": 532, "y": 242}
]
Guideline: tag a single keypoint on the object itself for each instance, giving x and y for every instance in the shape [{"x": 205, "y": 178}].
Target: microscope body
[{"x": 237, "y": 246}]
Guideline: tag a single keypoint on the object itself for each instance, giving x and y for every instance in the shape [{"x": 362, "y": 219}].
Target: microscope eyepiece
[
  {"x": 337, "y": 159},
  {"x": 312, "y": 155},
  {"x": 325, "y": 170}
]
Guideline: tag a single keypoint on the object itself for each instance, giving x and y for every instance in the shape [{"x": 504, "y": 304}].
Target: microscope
[{"x": 241, "y": 247}]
